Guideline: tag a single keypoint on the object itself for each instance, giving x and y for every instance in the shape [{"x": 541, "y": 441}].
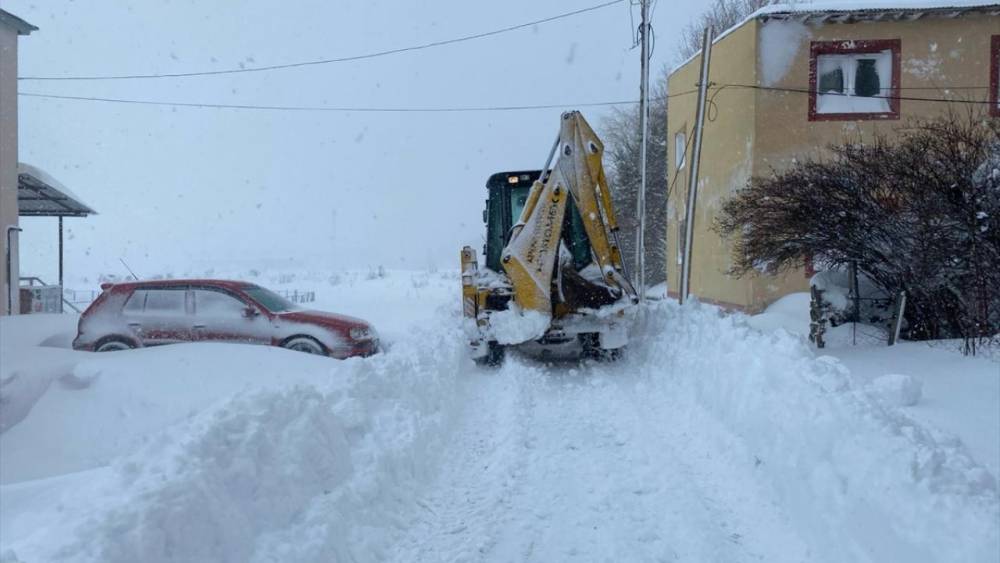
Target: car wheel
[
  {"x": 113, "y": 345},
  {"x": 304, "y": 344}
]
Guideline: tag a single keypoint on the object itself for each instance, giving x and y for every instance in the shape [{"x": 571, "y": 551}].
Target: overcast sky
[{"x": 182, "y": 189}]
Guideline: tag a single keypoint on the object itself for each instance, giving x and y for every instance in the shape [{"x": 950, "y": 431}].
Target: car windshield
[{"x": 270, "y": 300}]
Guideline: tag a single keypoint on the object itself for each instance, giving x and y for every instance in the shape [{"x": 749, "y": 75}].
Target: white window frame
[{"x": 680, "y": 149}]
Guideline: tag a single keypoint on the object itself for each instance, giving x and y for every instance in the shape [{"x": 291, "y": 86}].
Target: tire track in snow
[
  {"x": 480, "y": 475},
  {"x": 727, "y": 490},
  {"x": 552, "y": 465}
]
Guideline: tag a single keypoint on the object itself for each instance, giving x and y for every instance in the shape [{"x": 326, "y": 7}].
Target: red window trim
[
  {"x": 849, "y": 47},
  {"x": 995, "y": 76}
]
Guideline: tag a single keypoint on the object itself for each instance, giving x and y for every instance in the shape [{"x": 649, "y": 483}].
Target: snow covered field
[{"x": 717, "y": 438}]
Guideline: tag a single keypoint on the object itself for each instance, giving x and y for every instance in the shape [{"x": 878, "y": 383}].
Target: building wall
[
  {"x": 8, "y": 159},
  {"x": 726, "y": 161},
  {"x": 938, "y": 55}
]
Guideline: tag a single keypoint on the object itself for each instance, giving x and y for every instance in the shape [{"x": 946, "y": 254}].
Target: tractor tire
[
  {"x": 494, "y": 356},
  {"x": 591, "y": 344}
]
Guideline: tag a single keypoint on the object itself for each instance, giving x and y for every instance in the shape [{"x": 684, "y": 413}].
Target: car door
[
  {"x": 158, "y": 315},
  {"x": 222, "y": 316}
]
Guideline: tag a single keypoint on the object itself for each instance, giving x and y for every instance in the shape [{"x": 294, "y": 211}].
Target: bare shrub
[{"x": 919, "y": 213}]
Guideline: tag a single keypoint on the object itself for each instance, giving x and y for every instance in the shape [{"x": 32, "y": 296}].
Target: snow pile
[
  {"x": 514, "y": 325},
  {"x": 861, "y": 479},
  {"x": 250, "y": 465},
  {"x": 207, "y": 490},
  {"x": 24, "y": 379},
  {"x": 898, "y": 389}
]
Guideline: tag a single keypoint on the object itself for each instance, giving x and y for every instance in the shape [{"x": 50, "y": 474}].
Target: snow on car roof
[{"x": 231, "y": 284}]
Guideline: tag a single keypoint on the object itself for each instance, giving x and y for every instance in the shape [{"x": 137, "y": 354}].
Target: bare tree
[
  {"x": 622, "y": 139},
  {"x": 721, "y": 15}
]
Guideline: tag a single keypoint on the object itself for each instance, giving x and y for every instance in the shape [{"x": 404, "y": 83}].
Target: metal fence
[
  {"x": 296, "y": 296},
  {"x": 80, "y": 297}
]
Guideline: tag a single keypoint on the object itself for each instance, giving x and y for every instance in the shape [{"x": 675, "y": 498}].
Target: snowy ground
[
  {"x": 711, "y": 441},
  {"x": 959, "y": 395}
]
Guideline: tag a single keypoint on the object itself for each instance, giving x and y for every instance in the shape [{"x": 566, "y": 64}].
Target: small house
[{"x": 789, "y": 81}]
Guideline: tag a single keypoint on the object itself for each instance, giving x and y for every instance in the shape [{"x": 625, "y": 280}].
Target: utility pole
[
  {"x": 640, "y": 239},
  {"x": 699, "y": 126}
]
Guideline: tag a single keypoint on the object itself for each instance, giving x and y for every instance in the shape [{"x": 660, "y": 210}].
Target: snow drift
[
  {"x": 866, "y": 482},
  {"x": 292, "y": 469}
]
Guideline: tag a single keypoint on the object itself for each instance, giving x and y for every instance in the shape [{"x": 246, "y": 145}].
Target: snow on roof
[
  {"x": 863, "y": 7},
  {"x": 22, "y": 27},
  {"x": 40, "y": 194},
  {"x": 854, "y": 10}
]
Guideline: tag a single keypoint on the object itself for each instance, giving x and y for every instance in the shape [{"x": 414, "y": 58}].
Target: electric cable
[
  {"x": 336, "y": 59},
  {"x": 362, "y": 109}
]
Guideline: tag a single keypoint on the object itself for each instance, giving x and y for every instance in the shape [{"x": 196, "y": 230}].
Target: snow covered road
[
  {"x": 709, "y": 441},
  {"x": 550, "y": 465}
]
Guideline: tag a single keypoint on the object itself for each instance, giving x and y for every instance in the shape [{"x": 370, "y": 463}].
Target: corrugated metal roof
[
  {"x": 865, "y": 10},
  {"x": 854, "y": 11},
  {"x": 41, "y": 195},
  {"x": 22, "y": 27}
]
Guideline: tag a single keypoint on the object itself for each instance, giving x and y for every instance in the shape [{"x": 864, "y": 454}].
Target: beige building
[
  {"x": 11, "y": 27},
  {"x": 790, "y": 81}
]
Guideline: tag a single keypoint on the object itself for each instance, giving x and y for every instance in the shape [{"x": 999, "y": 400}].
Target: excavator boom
[
  {"x": 561, "y": 260},
  {"x": 578, "y": 177}
]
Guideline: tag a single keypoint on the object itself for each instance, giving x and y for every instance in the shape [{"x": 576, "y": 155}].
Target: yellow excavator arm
[
  {"x": 563, "y": 280},
  {"x": 531, "y": 257}
]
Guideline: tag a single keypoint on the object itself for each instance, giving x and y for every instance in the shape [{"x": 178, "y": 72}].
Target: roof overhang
[
  {"x": 22, "y": 27},
  {"x": 869, "y": 11},
  {"x": 818, "y": 13},
  {"x": 41, "y": 195}
]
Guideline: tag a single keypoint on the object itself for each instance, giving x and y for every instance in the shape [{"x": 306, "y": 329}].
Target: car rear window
[
  {"x": 136, "y": 302},
  {"x": 164, "y": 301}
]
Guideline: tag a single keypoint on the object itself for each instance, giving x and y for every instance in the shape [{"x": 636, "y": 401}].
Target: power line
[
  {"x": 464, "y": 109},
  {"x": 337, "y": 59},
  {"x": 328, "y": 108},
  {"x": 887, "y": 97}
]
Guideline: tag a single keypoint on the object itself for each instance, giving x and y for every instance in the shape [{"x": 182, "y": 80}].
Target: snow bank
[
  {"x": 862, "y": 479},
  {"x": 23, "y": 378},
  {"x": 100, "y": 407},
  {"x": 206, "y": 490},
  {"x": 231, "y": 453}
]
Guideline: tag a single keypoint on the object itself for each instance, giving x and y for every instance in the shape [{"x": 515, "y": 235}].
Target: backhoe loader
[{"x": 554, "y": 283}]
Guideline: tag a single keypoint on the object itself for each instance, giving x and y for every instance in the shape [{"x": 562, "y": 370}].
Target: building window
[
  {"x": 853, "y": 80},
  {"x": 995, "y": 76},
  {"x": 680, "y": 149}
]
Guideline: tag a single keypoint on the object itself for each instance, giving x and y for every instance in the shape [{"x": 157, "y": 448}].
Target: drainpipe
[{"x": 10, "y": 283}]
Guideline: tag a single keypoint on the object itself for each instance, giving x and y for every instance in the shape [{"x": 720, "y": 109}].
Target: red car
[{"x": 151, "y": 313}]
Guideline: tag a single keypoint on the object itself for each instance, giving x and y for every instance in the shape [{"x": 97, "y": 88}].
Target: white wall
[{"x": 8, "y": 160}]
